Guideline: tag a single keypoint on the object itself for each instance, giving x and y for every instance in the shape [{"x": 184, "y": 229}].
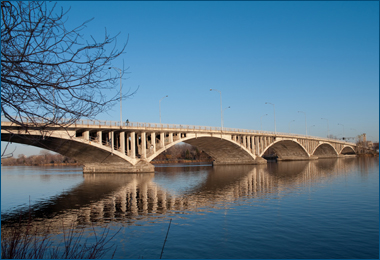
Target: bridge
[{"x": 107, "y": 146}]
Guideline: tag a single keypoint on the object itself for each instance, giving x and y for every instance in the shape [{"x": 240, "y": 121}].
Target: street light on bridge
[
  {"x": 274, "y": 113},
  {"x": 120, "y": 92},
  {"x": 221, "y": 110},
  {"x": 159, "y": 103},
  {"x": 305, "y": 121}
]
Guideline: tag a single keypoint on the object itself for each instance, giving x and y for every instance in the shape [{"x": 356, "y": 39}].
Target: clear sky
[{"x": 321, "y": 58}]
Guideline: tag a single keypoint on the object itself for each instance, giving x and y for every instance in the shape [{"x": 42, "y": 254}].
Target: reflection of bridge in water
[{"x": 130, "y": 198}]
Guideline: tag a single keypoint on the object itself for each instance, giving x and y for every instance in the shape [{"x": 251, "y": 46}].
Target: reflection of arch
[
  {"x": 325, "y": 150},
  {"x": 288, "y": 150},
  {"x": 221, "y": 149}
]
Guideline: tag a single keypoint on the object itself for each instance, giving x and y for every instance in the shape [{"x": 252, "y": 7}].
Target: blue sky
[{"x": 321, "y": 58}]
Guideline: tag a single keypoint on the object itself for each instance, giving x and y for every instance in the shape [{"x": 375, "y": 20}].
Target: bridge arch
[
  {"x": 84, "y": 151},
  {"x": 288, "y": 149},
  {"x": 325, "y": 150},
  {"x": 347, "y": 150},
  {"x": 221, "y": 149}
]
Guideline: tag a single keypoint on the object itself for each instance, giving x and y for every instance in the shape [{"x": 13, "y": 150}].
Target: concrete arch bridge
[{"x": 105, "y": 146}]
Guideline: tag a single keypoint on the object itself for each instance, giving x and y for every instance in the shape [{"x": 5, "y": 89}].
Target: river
[{"x": 304, "y": 209}]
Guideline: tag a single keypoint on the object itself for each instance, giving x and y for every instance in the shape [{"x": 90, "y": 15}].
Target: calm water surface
[{"x": 317, "y": 209}]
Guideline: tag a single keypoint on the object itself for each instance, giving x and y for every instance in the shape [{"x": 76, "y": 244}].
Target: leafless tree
[{"x": 49, "y": 73}]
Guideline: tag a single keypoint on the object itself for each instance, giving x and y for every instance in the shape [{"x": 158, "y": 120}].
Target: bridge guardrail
[{"x": 91, "y": 122}]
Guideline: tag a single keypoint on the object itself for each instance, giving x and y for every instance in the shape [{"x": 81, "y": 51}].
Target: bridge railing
[{"x": 180, "y": 127}]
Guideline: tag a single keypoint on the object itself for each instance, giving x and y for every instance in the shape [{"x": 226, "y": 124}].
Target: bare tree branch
[{"x": 50, "y": 73}]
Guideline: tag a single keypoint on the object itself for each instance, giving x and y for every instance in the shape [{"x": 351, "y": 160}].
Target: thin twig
[{"x": 162, "y": 251}]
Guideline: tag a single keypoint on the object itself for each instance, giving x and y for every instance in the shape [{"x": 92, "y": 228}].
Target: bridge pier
[
  {"x": 258, "y": 160},
  {"x": 297, "y": 158},
  {"x": 141, "y": 166}
]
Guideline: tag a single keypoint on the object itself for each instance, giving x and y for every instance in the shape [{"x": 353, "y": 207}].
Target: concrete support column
[
  {"x": 249, "y": 143},
  {"x": 143, "y": 145},
  {"x": 111, "y": 138},
  {"x": 86, "y": 135},
  {"x": 257, "y": 145},
  {"x": 133, "y": 145},
  {"x": 170, "y": 138},
  {"x": 127, "y": 148},
  {"x": 261, "y": 144},
  {"x": 153, "y": 141},
  {"x": 122, "y": 142},
  {"x": 244, "y": 141},
  {"x": 162, "y": 140},
  {"x": 99, "y": 136},
  {"x": 264, "y": 143}
]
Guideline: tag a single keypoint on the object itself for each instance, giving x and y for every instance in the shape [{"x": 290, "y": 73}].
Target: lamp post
[
  {"x": 343, "y": 129},
  {"x": 159, "y": 104},
  {"x": 328, "y": 131},
  {"x": 289, "y": 126},
  {"x": 120, "y": 92},
  {"x": 274, "y": 114},
  {"x": 305, "y": 121},
  {"x": 261, "y": 122},
  {"x": 221, "y": 111}
]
